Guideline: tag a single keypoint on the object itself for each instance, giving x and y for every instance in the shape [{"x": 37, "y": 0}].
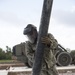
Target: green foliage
[
  {"x": 3, "y": 61},
  {"x": 72, "y": 53},
  {"x": 5, "y": 55}
]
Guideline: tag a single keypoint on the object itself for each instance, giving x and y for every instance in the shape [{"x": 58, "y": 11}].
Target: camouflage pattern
[
  {"x": 30, "y": 52},
  {"x": 48, "y": 63}
]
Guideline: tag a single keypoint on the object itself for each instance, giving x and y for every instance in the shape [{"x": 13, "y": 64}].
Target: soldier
[{"x": 48, "y": 62}]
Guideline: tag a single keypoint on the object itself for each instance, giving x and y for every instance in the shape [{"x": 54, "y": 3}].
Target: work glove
[{"x": 46, "y": 40}]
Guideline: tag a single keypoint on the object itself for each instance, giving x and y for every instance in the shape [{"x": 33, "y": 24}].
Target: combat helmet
[{"x": 28, "y": 29}]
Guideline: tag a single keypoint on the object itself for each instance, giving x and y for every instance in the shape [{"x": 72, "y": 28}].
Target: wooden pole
[{"x": 43, "y": 30}]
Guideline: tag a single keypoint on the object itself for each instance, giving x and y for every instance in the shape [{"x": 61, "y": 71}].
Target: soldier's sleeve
[
  {"x": 54, "y": 42},
  {"x": 29, "y": 51}
]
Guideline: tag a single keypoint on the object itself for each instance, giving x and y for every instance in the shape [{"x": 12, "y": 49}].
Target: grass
[{"x": 6, "y": 61}]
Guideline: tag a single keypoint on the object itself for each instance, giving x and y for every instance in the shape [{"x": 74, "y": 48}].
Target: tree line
[{"x": 6, "y": 54}]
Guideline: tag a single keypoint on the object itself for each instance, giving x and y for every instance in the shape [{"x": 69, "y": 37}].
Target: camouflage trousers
[{"x": 51, "y": 71}]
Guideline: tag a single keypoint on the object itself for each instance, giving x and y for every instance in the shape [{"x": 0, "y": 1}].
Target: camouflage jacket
[{"x": 48, "y": 58}]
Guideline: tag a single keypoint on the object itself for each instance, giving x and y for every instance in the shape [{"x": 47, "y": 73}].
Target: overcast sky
[{"x": 16, "y": 14}]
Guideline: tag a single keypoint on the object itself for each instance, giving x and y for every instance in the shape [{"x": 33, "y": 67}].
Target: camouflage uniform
[{"x": 48, "y": 63}]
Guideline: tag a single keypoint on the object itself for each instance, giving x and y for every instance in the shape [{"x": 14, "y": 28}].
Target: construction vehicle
[
  {"x": 19, "y": 52},
  {"x": 63, "y": 57}
]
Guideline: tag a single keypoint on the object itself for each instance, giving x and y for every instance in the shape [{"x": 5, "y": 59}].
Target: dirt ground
[
  {"x": 6, "y": 66},
  {"x": 68, "y": 70}
]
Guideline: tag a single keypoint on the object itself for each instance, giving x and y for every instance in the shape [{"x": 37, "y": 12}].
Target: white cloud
[
  {"x": 73, "y": 9},
  {"x": 10, "y": 35},
  {"x": 65, "y": 17},
  {"x": 13, "y": 19},
  {"x": 63, "y": 33}
]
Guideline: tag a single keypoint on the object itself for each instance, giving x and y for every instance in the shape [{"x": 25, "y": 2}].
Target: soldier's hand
[{"x": 46, "y": 40}]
